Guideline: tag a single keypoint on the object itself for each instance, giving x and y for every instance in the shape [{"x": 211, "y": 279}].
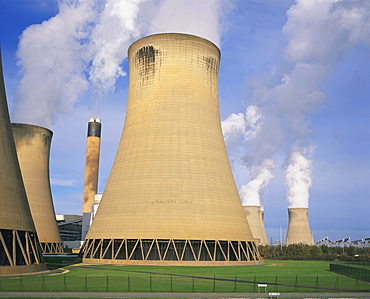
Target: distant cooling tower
[
  {"x": 256, "y": 223},
  {"x": 20, "y": 250},
  {"x": 91, "y": 172},
  {"x": 171, "y": 198},
  {"x": 298, "y": 227},
  {"x": 33, "y": 149}
]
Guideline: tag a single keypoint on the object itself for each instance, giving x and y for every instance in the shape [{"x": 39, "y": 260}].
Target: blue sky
[{"x": 293, "y": 91}]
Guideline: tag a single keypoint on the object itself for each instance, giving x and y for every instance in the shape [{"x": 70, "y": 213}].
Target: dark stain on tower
[{"x": 145, "y": 58}]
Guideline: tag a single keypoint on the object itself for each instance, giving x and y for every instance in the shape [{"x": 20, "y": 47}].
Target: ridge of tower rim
[
  {"x": 174, "y": 33},
  {"x": 30, "y": 125}
]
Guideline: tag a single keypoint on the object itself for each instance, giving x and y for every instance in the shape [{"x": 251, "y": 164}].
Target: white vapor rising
[
  {"x": 196, "y": 17},
  {"x": 80, "y": 51},
  {"x": 252, "y": 193},
  {"x": 299, "y": 178},
  {"x": 319, "y": 33},
  {"x": 111, "y": 37},
  {"x": 51, "y": 57},
  {"x": 83, "y": 47}
]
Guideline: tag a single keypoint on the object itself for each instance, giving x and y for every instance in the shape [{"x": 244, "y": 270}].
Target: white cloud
[{"x": 63, "y": 182}]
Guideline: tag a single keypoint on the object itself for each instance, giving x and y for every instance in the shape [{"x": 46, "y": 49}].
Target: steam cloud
[
  {"x": 319, "y": 33},
  {"x": 52, "y": 57},
  {"x": 82, "y": 48}
]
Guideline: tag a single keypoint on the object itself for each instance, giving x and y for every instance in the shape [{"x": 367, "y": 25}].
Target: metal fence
[{"x": 360, "y": 273}]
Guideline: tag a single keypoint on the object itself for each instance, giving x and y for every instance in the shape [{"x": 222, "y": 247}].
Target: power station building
[
  {"x": 171, "y": 198},
  {"x": 33, "y": 150},
  {"x": 20, "y": 250}
]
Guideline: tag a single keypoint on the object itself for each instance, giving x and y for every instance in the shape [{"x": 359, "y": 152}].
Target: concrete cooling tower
[
  {"x": 91, "y": 172},
  {"x": 256, "y": 223},
  {"x": 20, "y": 250},
  {"x": 298, "y": 228},
  {"x": 171, "y": 198},
  {"x": 33, "y": 149}
]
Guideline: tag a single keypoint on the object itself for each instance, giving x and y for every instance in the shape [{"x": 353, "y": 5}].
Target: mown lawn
[{"x": 280, "y": 276}]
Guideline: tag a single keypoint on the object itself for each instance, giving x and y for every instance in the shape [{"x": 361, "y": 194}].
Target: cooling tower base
[
  {"x": 170, "y": 252},
  {"x": 19, "y": 252},
  {"x": 52, "y": 248},
  {"x": 17, "y": 270}
]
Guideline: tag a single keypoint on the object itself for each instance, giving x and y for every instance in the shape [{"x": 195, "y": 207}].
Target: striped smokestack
[{"x": 91, "y": 171}]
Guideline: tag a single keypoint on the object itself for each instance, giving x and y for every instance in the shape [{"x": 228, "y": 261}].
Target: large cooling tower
[
  {"x": 91, "y": 172},
  {"x": 298, "y": 227},
  {"x": 171, "y": 198},
  {"x": 20, "y": 251},
  {"x": 33, "y": 149},
  {"x": 256, "y": 223}
]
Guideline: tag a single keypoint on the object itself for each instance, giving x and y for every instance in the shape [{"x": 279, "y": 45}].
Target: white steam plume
[
  {"x": 202, "y": 18},
  {"x": 111, "y": 37},
  {"x": 319, "y": 34},
  {"x": 259, "y": 176},
  {"x": 82, "y": 48},
  {"x": 299, "y": 178},
  {"x": 52, "y": 57}
]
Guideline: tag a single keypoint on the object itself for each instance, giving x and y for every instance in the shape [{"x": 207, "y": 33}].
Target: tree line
[{"x": 322, "y": 252}]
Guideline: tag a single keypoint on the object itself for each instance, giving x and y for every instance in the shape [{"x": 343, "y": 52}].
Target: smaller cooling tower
[
  {"x": 20, "y": 250},
  {"x": 33, "y": 149},
  {"x": 91, "y": 172},
  {"x": 298, "y": 227},
  {"x": 256, "y": 223}
]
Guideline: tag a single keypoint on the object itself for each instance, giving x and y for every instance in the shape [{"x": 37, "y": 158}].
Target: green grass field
[{"x": 280, "y": 276}]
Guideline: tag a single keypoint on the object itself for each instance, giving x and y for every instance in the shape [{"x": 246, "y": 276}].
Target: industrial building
[
  {"x": 70, "y": 230},
  {"x": 171, "y": 198}
]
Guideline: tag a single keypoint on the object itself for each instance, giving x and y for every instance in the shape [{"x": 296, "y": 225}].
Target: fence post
[
  {"x": 254, "y": 285},
  {"x": 356, "y": 286},
  {"x": 276, "y": 286},
  {"x": 296, "y": 284},
  {"x": 150, "y": 284},
  {"x": 20, "y": 284},
  {"x": 128, "y": 283},
  {"x": 171, "y": 283},
  {"x": 65, "y": 283},
  {"x": 235, "y": 284},
  {"x": 336, "y": 285},
  {"x": 85, "y": 283},
  {"x": 214, "y": 283},
  {"x": 317, "y": 283},
  {"x": 1, "y": 285},
  {"x": 43, "y": 288},
  {"x": 107, "y": 285},
  {"x": 193, "y": 284}
]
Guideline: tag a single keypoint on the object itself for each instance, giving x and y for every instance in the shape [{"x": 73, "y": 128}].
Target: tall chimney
[
  {"x": 20, "y": 250},
  {"x": 298, "y": 228},
  {"x": 33, "y": 150},
  {"x": 171, "y": 198},
  {"x": 91, "y": 172},
  {"x": 256, "y": 223}
]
